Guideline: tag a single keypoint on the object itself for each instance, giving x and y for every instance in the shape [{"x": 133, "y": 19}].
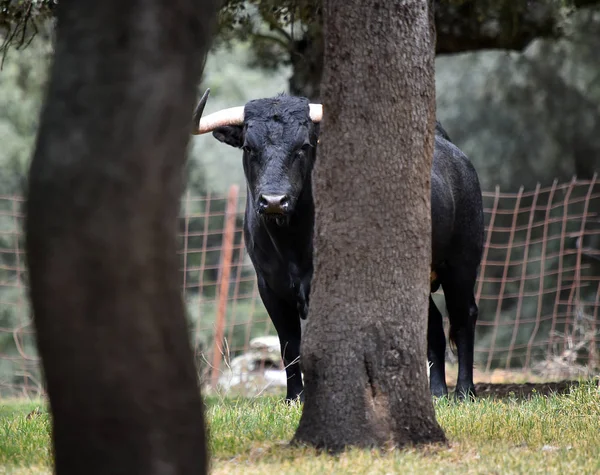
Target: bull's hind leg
[
  {"x": 436, "y": 351},
  {"x": 462, "y": 312},
  {"x": 287, "y": 324}
]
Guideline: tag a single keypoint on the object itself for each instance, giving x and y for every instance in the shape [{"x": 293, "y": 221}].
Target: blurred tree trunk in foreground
[{"x": 105, "y": 184}]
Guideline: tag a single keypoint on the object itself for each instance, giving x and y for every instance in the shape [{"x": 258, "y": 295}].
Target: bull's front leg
[{"x": 287, "y": 324}]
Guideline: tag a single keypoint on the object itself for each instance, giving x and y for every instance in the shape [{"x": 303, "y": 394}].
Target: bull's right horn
[
  {"x": 316, "y": 112},
  {"x": 202, "y": 125}
]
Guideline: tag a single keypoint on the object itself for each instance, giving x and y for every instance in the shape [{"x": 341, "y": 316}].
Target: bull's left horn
[
  {"x": 202, "y": 125},
  {"x": 316, "y": 112}
]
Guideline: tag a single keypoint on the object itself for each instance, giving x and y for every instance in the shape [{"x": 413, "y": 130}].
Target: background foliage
[{"x": 520, "y": 95}]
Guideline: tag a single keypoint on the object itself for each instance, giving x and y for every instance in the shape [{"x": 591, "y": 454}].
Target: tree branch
[{"x": 20, "y": 21}]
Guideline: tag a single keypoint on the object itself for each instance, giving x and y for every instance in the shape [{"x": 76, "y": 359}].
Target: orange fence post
[{"x": 226, "y": 258}]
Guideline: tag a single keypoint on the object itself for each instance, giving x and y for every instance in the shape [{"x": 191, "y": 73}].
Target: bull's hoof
[
  {"x": 299, "y": 398},
  {"x": 439, "y": 392},
  {"x": 437, "y": 382},
  {"x": 462, "y": 393}
]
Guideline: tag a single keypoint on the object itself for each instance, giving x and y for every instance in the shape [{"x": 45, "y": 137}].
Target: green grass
[
  {"x": 554, "y": 434},
  {"x": 24, "y": 442}
]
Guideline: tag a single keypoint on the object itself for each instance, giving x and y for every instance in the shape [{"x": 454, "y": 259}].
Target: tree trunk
[
  {"x": 105, "y": 184},
  {"x": 364, "y": 353},
  {"x": 307, "y": 63}
]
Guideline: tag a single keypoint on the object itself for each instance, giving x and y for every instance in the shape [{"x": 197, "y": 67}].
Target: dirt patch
[{"x": 523, "y": 390}]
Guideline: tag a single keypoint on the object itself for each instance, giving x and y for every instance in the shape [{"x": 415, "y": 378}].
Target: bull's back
[
  {"x": 442, "y": 219},
  {"x": 457, "y": 214}
]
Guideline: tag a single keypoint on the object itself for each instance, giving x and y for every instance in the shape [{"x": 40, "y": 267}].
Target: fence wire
[{"x": 538, "y": 289}]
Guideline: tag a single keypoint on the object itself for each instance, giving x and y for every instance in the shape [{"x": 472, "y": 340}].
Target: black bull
[{"x": 279, "y": 142}]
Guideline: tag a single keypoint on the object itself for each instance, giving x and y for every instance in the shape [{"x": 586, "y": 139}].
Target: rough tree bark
[
  {"x": 105, "y": 183},
  {"x": 364, "y": 352},
  {"x": 306, "y": 57}
]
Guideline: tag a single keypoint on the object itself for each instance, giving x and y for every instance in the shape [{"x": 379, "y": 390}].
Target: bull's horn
[
  {"x": 232, "y": 116},
  {"x": 316, "y": 112},
  {"x": 202, "y": 125}
]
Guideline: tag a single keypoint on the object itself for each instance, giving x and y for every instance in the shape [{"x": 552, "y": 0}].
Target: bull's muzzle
[{"x": 273, "y": 204}]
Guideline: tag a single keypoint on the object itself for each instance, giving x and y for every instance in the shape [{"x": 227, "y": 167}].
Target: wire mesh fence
[{"x": 538, "y": 290}]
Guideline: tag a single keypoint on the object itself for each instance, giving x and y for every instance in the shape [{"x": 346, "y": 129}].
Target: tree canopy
[
  {"x": 462, "y": 25},
  {"x": 289, "y": 31}
]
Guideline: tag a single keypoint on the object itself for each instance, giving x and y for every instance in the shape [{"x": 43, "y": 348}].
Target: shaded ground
[
  {"x": 487, "y": 390},
  {"x": 522, "y": 390}
]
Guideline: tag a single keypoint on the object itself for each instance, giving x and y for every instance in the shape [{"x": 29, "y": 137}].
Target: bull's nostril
[
  {"x": 262, "y": 202},
  {"x": 273, "y": 204},
  {"x": 284, "y": 202}
]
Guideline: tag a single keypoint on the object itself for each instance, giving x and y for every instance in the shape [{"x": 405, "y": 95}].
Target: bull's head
[{"x": 279, "y": 137}]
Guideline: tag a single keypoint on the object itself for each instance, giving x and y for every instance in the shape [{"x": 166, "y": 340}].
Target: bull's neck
[{"x": 291, "y": 243}]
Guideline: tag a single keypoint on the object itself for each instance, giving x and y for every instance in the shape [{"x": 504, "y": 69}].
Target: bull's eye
[{"x": 247, "y": 149}]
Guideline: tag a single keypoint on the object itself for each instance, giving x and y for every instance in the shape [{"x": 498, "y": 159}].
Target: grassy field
[{"x": 545, "y": 434}]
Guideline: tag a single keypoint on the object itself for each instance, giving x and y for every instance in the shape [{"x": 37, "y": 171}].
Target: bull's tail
[
  {"x": 456, "y": 326},
  {"x": 452, "y": 338}
]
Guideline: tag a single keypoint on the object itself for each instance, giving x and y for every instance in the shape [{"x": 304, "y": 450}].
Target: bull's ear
[{"x": 230, "y": 134}]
